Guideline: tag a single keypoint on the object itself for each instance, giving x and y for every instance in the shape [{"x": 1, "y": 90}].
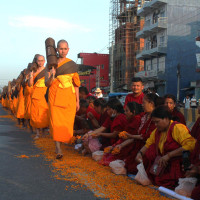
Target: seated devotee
[
  {"x": 170, "y": 102},
  {"x": 150, "y": 102},
  {"x": 84, "y": 93},
  {"x": 86, "y": 118},
  {"x": 115, "y": 123},
  {"x": 137, "y": 95},
  {"x": 123, "y": 147},
  {"x": 162, "y": 153},
  {"x": 195, "y": 132}
]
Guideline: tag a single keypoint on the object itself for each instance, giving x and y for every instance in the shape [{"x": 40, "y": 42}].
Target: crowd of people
[{"x": 146, "y": 129}]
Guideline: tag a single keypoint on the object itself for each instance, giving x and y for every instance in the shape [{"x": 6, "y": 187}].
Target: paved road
[{"x": 28, "y": 179}]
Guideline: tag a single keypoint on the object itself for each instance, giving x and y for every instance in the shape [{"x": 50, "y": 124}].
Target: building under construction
[{"x": 124, "y": 23}]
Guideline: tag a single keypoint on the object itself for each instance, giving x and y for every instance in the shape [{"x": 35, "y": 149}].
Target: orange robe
[
  {"x": 39, "y": 107},
  {"x": 20, "y": 104},
  {"x": 27, "y": 102},
  {"x": 62, "y": 105},
  {"x": 15, "y": 101}
]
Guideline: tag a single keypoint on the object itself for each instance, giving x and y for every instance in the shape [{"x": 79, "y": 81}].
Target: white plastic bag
[
  {"x": 78, "y": 146},
  {"x": 117, "y": 167},
  {"x": 186, "y": 185},
  {"x": 141, "y": 177},
  {"x": 97, "y": 155}
]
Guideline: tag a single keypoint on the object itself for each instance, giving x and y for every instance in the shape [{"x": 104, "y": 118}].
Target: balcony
[
  {"x": 156, "y": 50},
  {"x": 147, "y": 74},
  {"x": 150, "y": 28},
  {"x": 148, "y": 7}
]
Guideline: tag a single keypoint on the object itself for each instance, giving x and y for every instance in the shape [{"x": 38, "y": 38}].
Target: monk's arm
[
  {"x": 30, "y": 80},
  {"x": 49, "y": 76},
  {"x": 109, "y": 135},
  {"x": 141, "y": 153},
  {"x": 176, "y": 152},
  {"x": 126, "y": 142},
  {"x": 95, "y": 123},
  {"x": 77, "y": 98}
]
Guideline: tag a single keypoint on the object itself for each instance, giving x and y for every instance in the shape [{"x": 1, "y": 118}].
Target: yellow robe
[
  {"x": 27, "y": 102},
  {"x": 62, "y": 105},
  {"x": 20, "y": 104},
  {"x": 39, "y": 107}
]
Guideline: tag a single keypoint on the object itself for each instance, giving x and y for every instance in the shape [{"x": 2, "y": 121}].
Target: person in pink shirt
[{"x": 137, "y": 95}]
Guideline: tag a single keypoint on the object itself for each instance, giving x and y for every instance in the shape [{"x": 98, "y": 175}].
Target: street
[{"x": 28, "y": 178}]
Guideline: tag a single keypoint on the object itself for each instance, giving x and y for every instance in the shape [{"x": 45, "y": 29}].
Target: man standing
[
  {"x": 193, "y": 102},
  {"x": 186, "y": 102},
  {"x": 137, "y": 95}
]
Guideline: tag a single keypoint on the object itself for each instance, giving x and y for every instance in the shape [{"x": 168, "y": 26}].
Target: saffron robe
[
  {"x": 20, "y": 104},
  {"x": 39, "y": 107},
  {"x": 27, "y": 102},
  {"x": 62, "y": 103}
]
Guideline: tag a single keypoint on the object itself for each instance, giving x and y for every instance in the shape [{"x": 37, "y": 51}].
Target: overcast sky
[{"x": 24, "y": 26}]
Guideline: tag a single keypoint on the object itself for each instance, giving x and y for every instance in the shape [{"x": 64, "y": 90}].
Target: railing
[{"x": 162, "y": 21}]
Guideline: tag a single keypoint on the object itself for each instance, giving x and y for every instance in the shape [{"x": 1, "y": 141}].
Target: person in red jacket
[{"x": 137, "y": 95}]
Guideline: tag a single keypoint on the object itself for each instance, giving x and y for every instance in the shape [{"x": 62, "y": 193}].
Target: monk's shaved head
[{"x": 62, "y": 41}]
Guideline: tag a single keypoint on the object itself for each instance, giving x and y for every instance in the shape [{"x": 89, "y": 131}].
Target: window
[{"x": 102, "y": 66}]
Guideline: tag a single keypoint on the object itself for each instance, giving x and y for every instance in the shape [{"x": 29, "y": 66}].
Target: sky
[{"x": 25, "y": 25}]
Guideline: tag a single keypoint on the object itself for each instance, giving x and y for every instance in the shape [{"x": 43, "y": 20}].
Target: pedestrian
[
  {"x": 193, "y": 102},
  {"x": 63, "y": 97},
  {"x": 186, "y": 102},
  {"x": 98, "y": 93}
]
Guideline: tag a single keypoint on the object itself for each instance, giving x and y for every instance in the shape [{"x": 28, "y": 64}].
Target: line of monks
[{"x": 147, "y": 128}]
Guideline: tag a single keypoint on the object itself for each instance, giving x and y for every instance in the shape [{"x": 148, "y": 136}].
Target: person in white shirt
[
  {"x": 98, "y": 93},
  {"x": 193, "y": 102},
  {"x": 186, "y": 102}
]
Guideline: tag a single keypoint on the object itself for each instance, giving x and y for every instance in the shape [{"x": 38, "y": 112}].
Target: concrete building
[
  {"x": 94, "y": 71},
  {"x": 170, "y": 32}
]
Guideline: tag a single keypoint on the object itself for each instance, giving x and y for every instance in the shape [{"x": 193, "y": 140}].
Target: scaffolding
[{"x": 123, "y": 25}]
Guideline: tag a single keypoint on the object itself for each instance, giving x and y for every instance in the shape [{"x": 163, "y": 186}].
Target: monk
[
  {"x": 195, "y": 132},
  {"x": 63, "y": 97},
  {"x": 39, "y": 108},
  {"x": 27, "y": 99},
  {"x": 20, "y": 102},
  {"x": 137, "y": 95}
]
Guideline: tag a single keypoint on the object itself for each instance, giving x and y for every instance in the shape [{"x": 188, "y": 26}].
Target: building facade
[
  {"x": 170, "y": 51},
  {"x": 94, "y": 72}
]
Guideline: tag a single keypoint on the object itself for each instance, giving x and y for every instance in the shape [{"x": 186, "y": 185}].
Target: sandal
[{"x": 59, "y": 156}]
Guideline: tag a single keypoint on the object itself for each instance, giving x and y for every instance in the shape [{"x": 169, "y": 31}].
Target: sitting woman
[
  {"x": 162, "y": 153},
  {"x": 170, "y": 102},
  {"x": 115, "y": 123},
  {"x": 123, "y": 146},
  {"x": 150, "y": 101}
]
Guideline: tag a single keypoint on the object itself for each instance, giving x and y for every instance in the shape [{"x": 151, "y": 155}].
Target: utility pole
[
  {"x": 111, "y": 69},
  {"x": 178, "y": 82}
]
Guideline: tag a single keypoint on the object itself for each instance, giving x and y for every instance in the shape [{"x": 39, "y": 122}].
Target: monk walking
[
  {"x": 39, "y": 108},
  {"x": 63, "y": 97}
]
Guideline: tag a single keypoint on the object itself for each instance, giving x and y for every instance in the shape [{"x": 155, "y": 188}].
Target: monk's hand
[
  {"x": 138, "y": 137},
  {"x": 90, "y": 115},
  {"x": 138, "y": 158},
  {"x": 95, "y": 135},
  {"x": 163, "y": 162},
  {"x": 192, "y": 172},
  {"x": 52, "y": 72},
  {"x": 77, "y": 106},
  {"x": 31, "y": 75}
]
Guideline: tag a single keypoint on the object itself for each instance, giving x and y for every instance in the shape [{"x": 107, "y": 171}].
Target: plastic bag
[
  {"x": 186, "y": 185},
  {"x": 141, "y": 177},
  {"x": 97, "y": 155},
  {"x": 92, "y": 144},
  {"x": 117, "y": 167}
]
